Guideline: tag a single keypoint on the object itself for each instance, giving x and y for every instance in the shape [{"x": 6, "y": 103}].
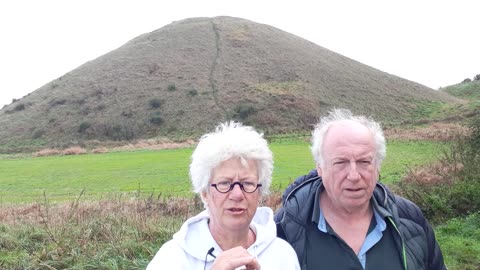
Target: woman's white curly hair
[{"x": 229, "y": 140}]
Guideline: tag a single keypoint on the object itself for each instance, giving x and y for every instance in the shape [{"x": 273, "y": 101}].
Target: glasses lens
[
  {"x": 226, "y": 186},
  {"x": 223, "y": 186},
  {"x": 249, "y": 186}
]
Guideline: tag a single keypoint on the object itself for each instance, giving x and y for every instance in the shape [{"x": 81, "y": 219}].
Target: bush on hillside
[
  {"x": 83, "y": 127},
  {"x": 477, "y": 77},
  {"x": 192, "y": 92},
  {"x": 242, "y": 111},
  {"x": 38, "y": 133},
  {"x": 118, "y": 132},
  {"x": 155, "y": 103},
  {"x": 19, "y": 107},
  {"x": 57, "y": 102},
  {"x": 156, "y": 119},
  {"x": 171, "y": 87},
  {"x": 451, "y": 187}
]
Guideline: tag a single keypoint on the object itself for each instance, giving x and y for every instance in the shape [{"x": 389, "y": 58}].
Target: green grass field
[
  {"x": 24, "y": 180},
  {"x": 119, "y": 234}
]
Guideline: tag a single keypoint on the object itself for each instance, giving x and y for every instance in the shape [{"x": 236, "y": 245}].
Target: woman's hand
[{"x": 233, "y": 258}]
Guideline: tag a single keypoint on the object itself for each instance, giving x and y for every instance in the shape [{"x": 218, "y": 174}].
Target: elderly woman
[{"x": 231, "y": 169}]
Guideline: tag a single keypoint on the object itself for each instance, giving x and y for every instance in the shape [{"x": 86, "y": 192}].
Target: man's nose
[{"x": 353, "y": 172}]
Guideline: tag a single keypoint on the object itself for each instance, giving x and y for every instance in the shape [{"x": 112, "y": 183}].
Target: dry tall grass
[{"x": 435, "y": 132}]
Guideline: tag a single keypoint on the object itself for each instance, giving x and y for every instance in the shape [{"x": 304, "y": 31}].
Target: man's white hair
[
  {"x": 229, "y": 140},
  {"x": 338, "y": 115}
]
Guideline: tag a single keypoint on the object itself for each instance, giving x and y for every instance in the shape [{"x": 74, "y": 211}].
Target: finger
[
  {"x": 248, "y": 261},
  {"x": 254, "y": 265}
]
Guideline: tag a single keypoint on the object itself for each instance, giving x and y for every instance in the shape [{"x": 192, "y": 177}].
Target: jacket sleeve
[{"x": 409, "y": 210}]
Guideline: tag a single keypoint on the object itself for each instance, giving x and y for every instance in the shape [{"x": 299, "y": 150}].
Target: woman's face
[{"x": 234, "y": 210}]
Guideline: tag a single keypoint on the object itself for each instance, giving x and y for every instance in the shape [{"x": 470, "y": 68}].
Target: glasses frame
[{"x": 232, "y": 185}]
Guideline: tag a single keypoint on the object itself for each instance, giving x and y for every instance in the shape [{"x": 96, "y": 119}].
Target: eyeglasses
[{"x": 224, "y": 187}]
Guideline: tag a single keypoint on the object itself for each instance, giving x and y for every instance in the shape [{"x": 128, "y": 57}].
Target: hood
[{"x": 195, "y": 239}]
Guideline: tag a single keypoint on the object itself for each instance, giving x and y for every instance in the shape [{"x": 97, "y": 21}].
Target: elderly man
[{"x": 339, "y": 217}]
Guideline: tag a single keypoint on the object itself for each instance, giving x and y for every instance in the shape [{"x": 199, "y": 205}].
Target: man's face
[{"x": 349, "y": 171}]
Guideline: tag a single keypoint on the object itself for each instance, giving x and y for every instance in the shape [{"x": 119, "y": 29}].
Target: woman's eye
[{"x": 224, "y": 183}]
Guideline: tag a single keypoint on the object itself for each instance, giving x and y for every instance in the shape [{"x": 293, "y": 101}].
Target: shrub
[
  {"x": 57, "y": 102},
  {"x": 118, "y": 132},
  {"x": 83, "y": 127},
  {"x": 477, "y": 77},
  {"x": 243, "y": 111},
  {"x": 38, "y": 133},
  {"x": 127, "y": 114},
  {"x": 467, "y": 80},
  {"x": 451, "y": 187},
  {"x": 192, "y": 92},
  {"x": 171, "y": 87},
  {"x": 156, "y": 119},
  {"x": 155, "y": 103},
  {"x": 19, "y": 107}
]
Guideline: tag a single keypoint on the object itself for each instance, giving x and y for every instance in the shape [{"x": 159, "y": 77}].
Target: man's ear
[{"x": 319, "y": 170}]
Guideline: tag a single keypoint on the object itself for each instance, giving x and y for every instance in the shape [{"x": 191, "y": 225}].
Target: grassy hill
[
  {"x": 466, "y": 90},
  {"x": 181, "y": 80}
]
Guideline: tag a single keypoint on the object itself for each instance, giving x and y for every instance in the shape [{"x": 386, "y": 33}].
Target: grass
[
  {"x": 405, "y": 155},
  {"x": 460, "y": 242},
  {"x": 105, "y": 234},
  {"x": 470, "y": 91},
  {"x": 118, "y": 231},
  {"x": 24, "y": 180},
  {"x": 63, "y": 177}
]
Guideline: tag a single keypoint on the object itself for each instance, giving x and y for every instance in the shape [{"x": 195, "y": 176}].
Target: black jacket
[{"x": 415, "y": 237}]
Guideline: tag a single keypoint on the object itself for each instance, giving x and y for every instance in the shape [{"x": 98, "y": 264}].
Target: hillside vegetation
[{"x": 181, "y": 80}]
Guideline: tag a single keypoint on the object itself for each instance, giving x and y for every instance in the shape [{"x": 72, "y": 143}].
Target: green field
[
  {"x": 109, "y": 233},
  {"x": 25, "y": 179}
]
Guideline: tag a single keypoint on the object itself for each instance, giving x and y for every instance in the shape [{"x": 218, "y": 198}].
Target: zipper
[{"x": 404, "y": 253}]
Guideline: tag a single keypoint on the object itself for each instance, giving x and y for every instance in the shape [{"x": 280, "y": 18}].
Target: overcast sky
[{"x": 435, "y": 43}]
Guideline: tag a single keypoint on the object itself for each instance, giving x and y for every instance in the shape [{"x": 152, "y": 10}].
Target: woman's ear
[{"x": 203, "y": 196}]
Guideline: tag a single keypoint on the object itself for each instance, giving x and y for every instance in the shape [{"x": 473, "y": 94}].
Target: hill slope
[{"x": 184, "y": 78}]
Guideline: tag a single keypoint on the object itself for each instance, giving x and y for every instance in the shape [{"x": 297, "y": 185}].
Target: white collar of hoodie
[{"x": 195, "y": 238}]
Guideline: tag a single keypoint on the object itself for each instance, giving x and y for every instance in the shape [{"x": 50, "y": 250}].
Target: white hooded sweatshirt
[{"x": 190, "y": 246}]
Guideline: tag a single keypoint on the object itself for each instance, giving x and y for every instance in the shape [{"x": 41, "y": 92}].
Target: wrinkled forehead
[{"x": 348, "y": 133}]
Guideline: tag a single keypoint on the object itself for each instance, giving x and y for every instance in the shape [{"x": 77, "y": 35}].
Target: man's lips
[{"x": 355, "y": 192}]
